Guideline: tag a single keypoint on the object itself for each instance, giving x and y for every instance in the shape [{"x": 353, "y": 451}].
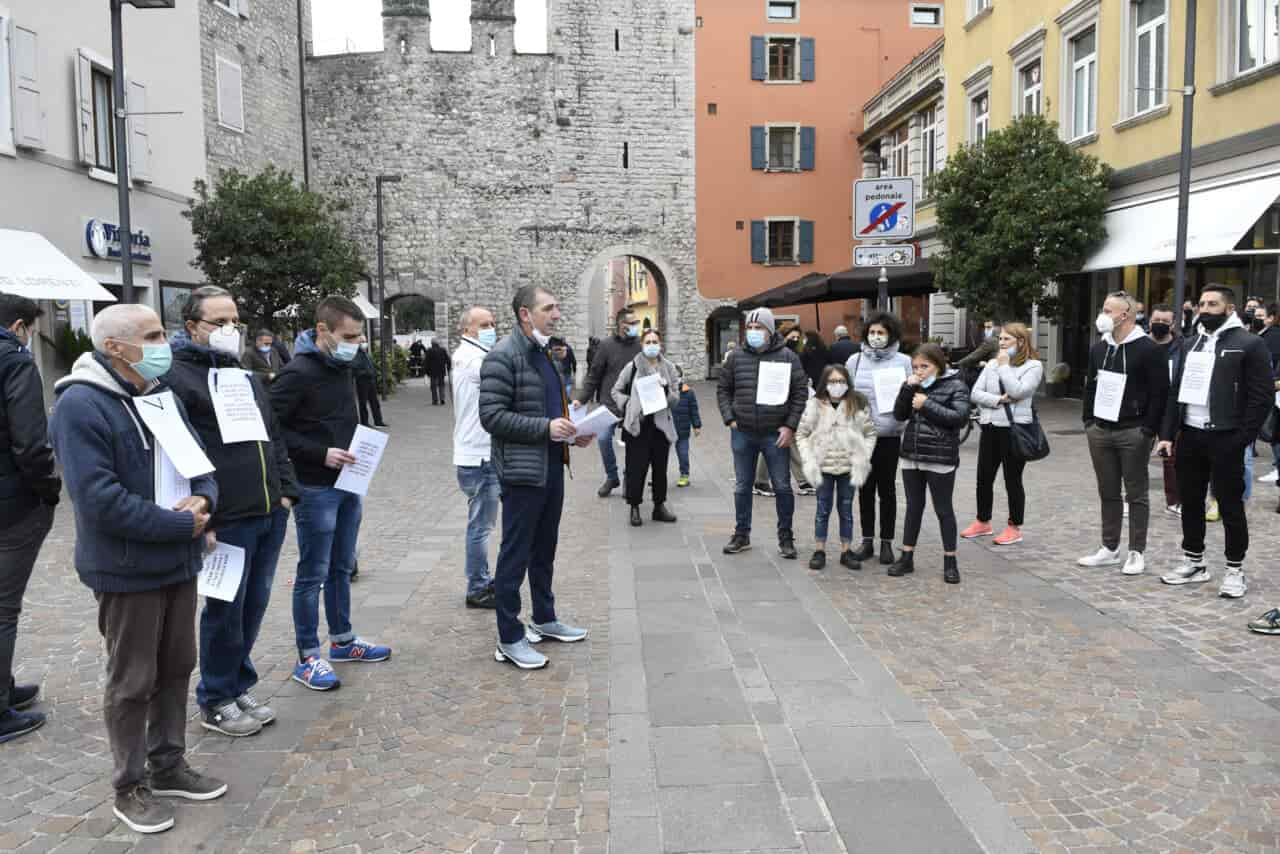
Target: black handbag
[{"x": 1027, "y": 442}]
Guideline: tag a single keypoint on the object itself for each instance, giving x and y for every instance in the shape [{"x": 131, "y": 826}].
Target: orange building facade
[{"x": 777, "y": 148}]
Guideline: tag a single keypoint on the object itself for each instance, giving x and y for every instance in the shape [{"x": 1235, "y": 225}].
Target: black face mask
[
  {"x": 792, "y": 344},
  {"x": 1257, "y": 323},
  {"x": 1160, "y": 330},
  {"x": 1212, "y": 322}
]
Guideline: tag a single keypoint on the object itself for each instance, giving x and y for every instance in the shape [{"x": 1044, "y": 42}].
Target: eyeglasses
[{"x": 230, "y": 324}]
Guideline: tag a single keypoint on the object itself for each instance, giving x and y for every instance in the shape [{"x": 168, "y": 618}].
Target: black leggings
[
  {"x": 941, "y": 487},
  {"x": 994, "y": 451},
  {"x": 883, "y": 480}
]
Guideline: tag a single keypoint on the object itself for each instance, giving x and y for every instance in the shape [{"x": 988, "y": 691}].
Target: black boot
[
  {"x": 950, "y": 570},
  {"x": 867, "y": 552},
  {"x": 787, "y": 546},
  {"x": 818, "y": 561},
  {"x": 850, "y": 561},
  {"x": 886, "y": 552},
  {"x": 609, "y": 485},
  {"x": 636, "y": 521},
  {"x": 904, "y": 565},
  {"x": 662, "y": 514}
]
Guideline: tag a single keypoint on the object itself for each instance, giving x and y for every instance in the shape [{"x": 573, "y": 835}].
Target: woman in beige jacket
[{"x": 835, "y": 440}]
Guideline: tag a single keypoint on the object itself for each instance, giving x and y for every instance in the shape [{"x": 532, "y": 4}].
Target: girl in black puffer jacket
[{"x": 934, "y": 402}]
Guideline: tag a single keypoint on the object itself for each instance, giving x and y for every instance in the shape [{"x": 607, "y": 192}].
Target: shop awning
[
  {"x": 855, "y": 283},
  {"x": 32, "y": 267},
  {"x": 370, "y": 313},
  {"x": 1146, "y": 232}
]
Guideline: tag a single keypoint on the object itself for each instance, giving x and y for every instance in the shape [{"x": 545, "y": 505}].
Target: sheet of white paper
[
  {"x": 367, "y": 447},
  {"x": 592, "y": 423},
  {"x": 160, "y": 413},
  {"x": 774, "y": 385},
  {"x": 1196, "y": 374},
  {"x": 239, "y": 419},
  {"x": 888, "y": 383},
  {"x": 1278, "y": 400},
  {"x": 171, "y": 487},
  {"x": 223, "y": 569},
  {"x": 653, "y": 396},
  {"x": 1108, "y": 395}
]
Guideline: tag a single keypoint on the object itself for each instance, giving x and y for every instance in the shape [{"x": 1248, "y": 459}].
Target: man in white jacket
[{"x": 476, "y": 476}]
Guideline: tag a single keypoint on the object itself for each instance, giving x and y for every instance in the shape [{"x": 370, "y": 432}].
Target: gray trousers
[
  {"x": 1120, "y": 459},
  {"x": 151, "y": 651},
  {"x": 19, "y": 546}
]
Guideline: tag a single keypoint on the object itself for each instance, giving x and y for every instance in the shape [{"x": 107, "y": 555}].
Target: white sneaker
[
  {"x": 1102, "y": 557},
  {"x": 1134, "y": 564},
  {"x": 1271, "y": 477},
  {"x": 1174, "y": 509},
  {"x": 1186, "y": 573},
  {"x": 1233, "y": 585}
]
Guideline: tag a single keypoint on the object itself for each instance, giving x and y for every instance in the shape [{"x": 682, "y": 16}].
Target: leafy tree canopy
[
  {"x": 1013, "y": 213},
  {"x": 272, "y": 243}
]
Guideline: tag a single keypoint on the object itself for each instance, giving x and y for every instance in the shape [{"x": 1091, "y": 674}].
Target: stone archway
[{"x": 598, "y": 297}]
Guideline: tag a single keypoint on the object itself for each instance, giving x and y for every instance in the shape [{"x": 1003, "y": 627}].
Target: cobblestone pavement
[{"x": 721, "y": 704}]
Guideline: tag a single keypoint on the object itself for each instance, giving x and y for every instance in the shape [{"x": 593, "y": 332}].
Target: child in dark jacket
[{"x": 686, "y": 417}]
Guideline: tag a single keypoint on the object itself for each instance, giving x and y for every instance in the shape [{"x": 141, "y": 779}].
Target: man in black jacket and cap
[
  {"x": 256, "y": 489},
  {"x": 610, "y": 358},
  {"x": 29, "y": 488},
  {"x": 437, "y": 367}
]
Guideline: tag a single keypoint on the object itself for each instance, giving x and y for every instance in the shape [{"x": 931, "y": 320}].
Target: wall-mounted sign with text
[{"x": 102, "y": 240}]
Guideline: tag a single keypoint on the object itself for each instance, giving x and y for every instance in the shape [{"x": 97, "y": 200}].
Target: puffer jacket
[
  {"x": 314, "y": 398},
  {"x": 933, "y": 432},
  {"x": 1020, "y": 383},
  {"x": 736, "y": 389},
  {"x": 862, "y": 367},
  {"x": 831, "y": 441},
  {"x": 28, "y": 476},
  {"x": 513, "y": 410}
]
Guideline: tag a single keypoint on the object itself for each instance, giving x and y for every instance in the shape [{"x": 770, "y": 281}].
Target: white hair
[
  {"x": 120, "y": 322},
  {"x": 464, "y": 322}
]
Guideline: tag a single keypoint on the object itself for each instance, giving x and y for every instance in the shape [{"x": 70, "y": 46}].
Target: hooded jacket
[
  {"x": 737, "y": 386},
  {"x": 1145, "y": 364},
  {"x": 932, "y": 433},
  {"x": 125, "y": 542},
  {"x": 314, "y": 398},
  {"x": 28, "y": 475},
  {"x": 613, "y": 354},
  {"x": 1241, "y": 391},
  {"x": 686, "y": 414},
  {"x": 252, "y": 476},
  {"x": 862, "y": 367}
]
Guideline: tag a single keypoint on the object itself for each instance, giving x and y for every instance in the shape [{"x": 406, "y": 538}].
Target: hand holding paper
[{"x": 366, "y": 448}]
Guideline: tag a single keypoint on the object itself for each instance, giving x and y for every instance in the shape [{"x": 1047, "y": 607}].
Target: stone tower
[{"x": 523, "y": 168}]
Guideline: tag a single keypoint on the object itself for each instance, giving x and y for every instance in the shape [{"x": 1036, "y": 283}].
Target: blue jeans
[
  {"x": 228, "y": 630},
  {"x": 747, "y": 447},
  {"x": 841, "y": 488},
  {"x": 607, "y": 455},
  {"x": 328, "y": 523},
  {"x": 530, "y": 534},
  {"x": 682, "y": 454},
  {"x": 1248, "y": 472},
  {"x": 480, "y": 485}
]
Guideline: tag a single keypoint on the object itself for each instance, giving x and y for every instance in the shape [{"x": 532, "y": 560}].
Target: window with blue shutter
[
  {"x": 759, "y": 158},
  {"x": 759, "y": 250},
  {"x": 757, "y": 58},
  {"x": 806, "y": 59},
  {"x": 808, "y": 139},
  {"x": 805, "y": 252}
]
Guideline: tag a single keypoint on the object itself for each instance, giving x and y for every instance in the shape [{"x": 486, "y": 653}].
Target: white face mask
[
  {"x": 1105, "y": 325},
  {"x": 225, "y": 339},
  {"x": 878, "y": 341},
  {"x": 543, "y": 340},
  {"x": 835, "y": 391}
]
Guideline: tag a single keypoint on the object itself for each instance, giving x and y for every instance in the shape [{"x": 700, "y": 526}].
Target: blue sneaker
[
  {"x": 358, "y": 650},
  {"x": 316, "y": 674}
]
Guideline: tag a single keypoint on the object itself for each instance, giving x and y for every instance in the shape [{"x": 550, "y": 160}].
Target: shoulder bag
[{"x": 1027, "y": 441}]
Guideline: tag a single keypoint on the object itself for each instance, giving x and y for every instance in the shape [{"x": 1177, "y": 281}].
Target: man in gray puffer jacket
[
  {"x": 761, "y": 428},
  {"x": 524, "y": 409}
]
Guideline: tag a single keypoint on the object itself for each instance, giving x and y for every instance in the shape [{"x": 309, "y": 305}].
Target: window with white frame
[
  {"x": 928, "y": 119},
  {"x": 6, "y": 98},
  {"x": 1148, "y": 46},
  {"x": 782, "y": 240},
  {"x": 926, "y": 14},
  {"x": 1256, "y": 33},
  {"x": 230, "y": 95},
  {"x": 1031, "y": 88},
  {"x": 235, "y": 7},
  {"x": 784, "y": 145},
  {"x": 783, "y": 62},
  {"x": 1082, "y": 54},
  {"x": 899, "y": 164},
  {"x": 783, "y": 10},
  {"x": 104, "y": 139},
  {"x": 979, "y": 117}
]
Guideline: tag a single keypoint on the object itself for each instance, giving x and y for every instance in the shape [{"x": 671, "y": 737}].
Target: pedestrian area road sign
[
  {"x": 884, "y": 208},
  {"x": 887, "y": 255}
]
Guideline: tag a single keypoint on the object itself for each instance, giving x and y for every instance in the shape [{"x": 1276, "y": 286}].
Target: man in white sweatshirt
[{"x": 476, "y": 476}]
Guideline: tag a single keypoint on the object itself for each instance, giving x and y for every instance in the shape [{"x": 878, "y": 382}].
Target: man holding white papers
[
  {"x": 1220, "y": 396},
  {"x": 1124, "y": 398},
  {"x": 762, "y": 393},
  {"x": 140, "y": 558},
  {"x": 471, "y": 452},
  {"x": 314, "y": 397},
  {"x": 646, "y": 392},
  {"x": 230, "y": 410}
]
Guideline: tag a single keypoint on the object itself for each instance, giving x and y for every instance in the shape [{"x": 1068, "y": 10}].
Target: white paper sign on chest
[
  {"x": 160, "y": 413},
  {"x": 236, "y": 408}
]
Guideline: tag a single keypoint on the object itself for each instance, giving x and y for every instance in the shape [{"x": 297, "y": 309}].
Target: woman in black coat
[
  {"x": 814, "y": 357},
  {"x": 934, "y": 402}
]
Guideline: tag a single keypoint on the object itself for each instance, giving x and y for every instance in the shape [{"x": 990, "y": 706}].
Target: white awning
[
  {"x": 370, "y": 313},
  {"x": 1146, "y": 233},
  {"x": 32, "y": 267}
]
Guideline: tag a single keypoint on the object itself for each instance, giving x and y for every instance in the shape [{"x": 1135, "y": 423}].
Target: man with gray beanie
[{"x": 762, "y": 394}]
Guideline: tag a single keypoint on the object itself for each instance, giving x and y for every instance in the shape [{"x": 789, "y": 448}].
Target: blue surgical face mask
[
  {"x": 928, "y": 382},
  {"x": 345, "y": 351},
  {"x": 633, "y": 331},
  {"x": 756, "y": 338},
  {"x": 651, "y": 351},
  {"x": 266, "y": 349},
  {"x": 1012, "y": 351},
  {"x": 488, "y": 337},
  {"x": 156, "y": 361}
]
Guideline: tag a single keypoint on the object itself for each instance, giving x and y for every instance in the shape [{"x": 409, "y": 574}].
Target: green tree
[
  {"x": 1013, "y": 213},
  {"x": 272, "y": 243}
]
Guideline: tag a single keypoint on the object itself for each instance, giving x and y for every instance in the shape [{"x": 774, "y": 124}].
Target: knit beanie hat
[{"x": 762, "y": 316}]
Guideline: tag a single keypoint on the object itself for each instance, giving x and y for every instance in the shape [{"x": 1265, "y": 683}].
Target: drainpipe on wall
[{"x": 302, "y": 97}]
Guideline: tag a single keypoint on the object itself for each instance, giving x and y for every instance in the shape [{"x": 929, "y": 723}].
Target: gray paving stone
[
  {"x": 857, "y": 753},
  {"x": 675, "y": 617},
  {"x": 899, "y": 816},
  {"x": 697, "y": 698},
  {"x": 836, "y": 703},
  {"x": 810, "y": 662},
  {"x": 696, "y": 756},
  {"x": 681, "y": 652},
  {"x": 725, "y": 818}
]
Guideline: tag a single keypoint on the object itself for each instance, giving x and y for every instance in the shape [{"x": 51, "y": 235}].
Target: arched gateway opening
[{"x": 633, "y": 277}]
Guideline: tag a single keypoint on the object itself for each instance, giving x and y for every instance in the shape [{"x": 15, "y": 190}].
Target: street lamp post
[
  {"x": 122, "y": 136},
  {"x": 382, "y": 288},
  {"x": 1184, "y": 171}
]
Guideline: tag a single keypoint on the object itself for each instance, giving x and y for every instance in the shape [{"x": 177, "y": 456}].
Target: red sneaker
[
  {"x": 1009, "y": 536},
  {"x": 977, "y": 529}
]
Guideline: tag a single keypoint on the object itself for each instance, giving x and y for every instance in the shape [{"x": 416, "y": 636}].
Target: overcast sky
[{"x": 356, "y": 25}]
